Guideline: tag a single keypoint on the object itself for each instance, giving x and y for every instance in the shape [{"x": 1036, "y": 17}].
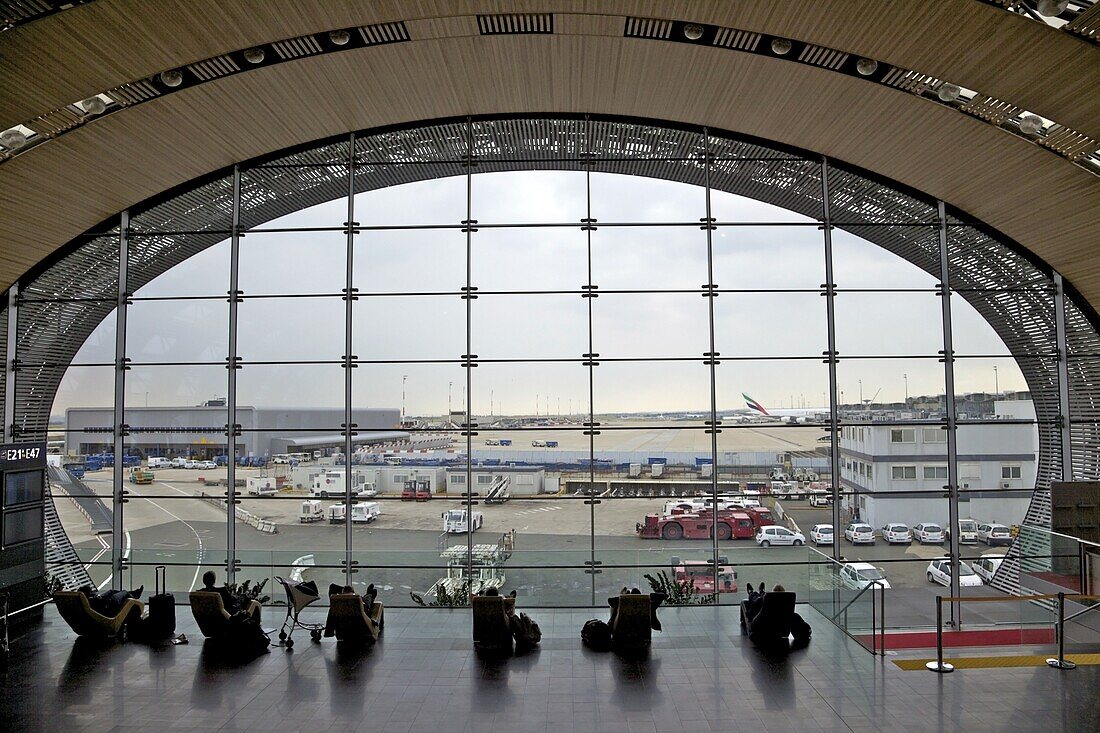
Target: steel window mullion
[
  {"x": 117, "y": 474},
  {"x": 1063, "y": 379},
  {"x": 831, "y": 357},
  {"x": 468, "y": 366},
  {"x": 712, "y": 359},
  {"x": 349, "y": 296},
  {"x": 231, "y": 385},
  {"x": 12, "y": 341},
  {"x": 591, "y": 362},
  {"x": 949, "y": 396}
]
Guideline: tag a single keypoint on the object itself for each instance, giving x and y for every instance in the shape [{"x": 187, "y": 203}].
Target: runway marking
[
  {"x": 201, "y": 555},
  {"x": 535, "y": 511}
]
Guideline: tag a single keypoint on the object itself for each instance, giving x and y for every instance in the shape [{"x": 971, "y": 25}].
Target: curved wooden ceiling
[{"x": 58, "y": 190}]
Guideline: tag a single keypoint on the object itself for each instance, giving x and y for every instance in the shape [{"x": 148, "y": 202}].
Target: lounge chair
[
  {"x": 85, "y": 621},
  {"x": 775, "y": 621},
  {"x": 210, "y": 613},
  {"x": 492, "y": 621},
  {"x": 349, "y": 621},
  {"x": 631, "y": 620}
]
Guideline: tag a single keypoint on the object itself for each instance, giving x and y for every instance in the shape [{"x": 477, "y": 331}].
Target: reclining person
[
  {"x": 110, "y": 602},
  {"x": 655, "y": 600},
  {"x": 368, "y": 598},
  {"x": 770, "y": 617}
]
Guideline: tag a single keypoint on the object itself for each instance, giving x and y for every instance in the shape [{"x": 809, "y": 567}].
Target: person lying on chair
[
  {"x": 368, "y": 598},
  {"x": 770, "y": 617},
  {"x": 655, "y": 600},
  {"x": 109, "y": 603}
]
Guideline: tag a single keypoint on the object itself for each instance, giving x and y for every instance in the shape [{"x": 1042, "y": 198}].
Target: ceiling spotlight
[
  {"x": 1031, "y": 124},
  {"x": 949, "y": 92},
  {"x": 866, "y": 67},
  {"x": 93, "y": 106},
  {"x": 1051, "y": 8},
  {"x": 171, "y": 78},
  {"x": 781, "y": 46},
  {"x": 254, "y": 55},
  {"x": 13, "y": 139},
  {"x": 340, "y": 38},
  {"x": 693, "y": 31}
]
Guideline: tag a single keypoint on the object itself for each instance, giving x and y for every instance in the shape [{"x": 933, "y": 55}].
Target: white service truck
[
  {"x": 455, "y": 521},
  {"x": 261, "y": 486},
  {"x": 310, "y": 511},
  {"x": 331, "y": 483},
  {"x": 362, "y": 513}
]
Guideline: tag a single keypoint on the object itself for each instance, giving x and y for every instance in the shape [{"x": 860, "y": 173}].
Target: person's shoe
[
  {"x": 749, "y": 586},
  {"x": 512, "y": 593},
  {"x": 137, "y": 593},
  {"x": 761, "y": 586}
]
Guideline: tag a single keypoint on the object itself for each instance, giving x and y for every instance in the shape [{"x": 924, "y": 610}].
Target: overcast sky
[{"x": 542, "y": 326}]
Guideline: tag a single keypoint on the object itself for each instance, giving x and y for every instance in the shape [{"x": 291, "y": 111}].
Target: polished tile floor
[{"x": 700, "y": 675}]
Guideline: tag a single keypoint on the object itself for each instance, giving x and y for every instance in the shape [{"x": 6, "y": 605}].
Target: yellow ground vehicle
[{"x": 139, "y": 475}]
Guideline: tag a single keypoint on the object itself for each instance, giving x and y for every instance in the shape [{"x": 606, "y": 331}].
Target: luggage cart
[{"x": 297, "y": 599}]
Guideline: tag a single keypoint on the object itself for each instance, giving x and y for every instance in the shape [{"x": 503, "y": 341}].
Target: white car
[
  {"x": 820, "y": 498},
  {"x": 896, "y": 534},
  {"x": 968, "y": 532},
  {"x": 994, "y": 534},
  {"x": 859, "y": 534},
  {"x": 927, "y": 533},
  {"x": 858, "y": 575},
  {"x": 773, "y": 534},
  {"x": 939, "y": 571},
  {"x": 986, "y": 566},
  {"x": 191, "y": 464},
  {"x": 207, "y": 465},
  {"x": 822, "y": 534}
]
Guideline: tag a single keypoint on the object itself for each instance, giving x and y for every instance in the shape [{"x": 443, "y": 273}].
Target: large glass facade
[{"x": 364, "y": 345}]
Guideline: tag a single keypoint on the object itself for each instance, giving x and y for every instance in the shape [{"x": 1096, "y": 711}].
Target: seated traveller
[
  {"x": 770, "y": 617},
  {"x": 230, "y": 601}
]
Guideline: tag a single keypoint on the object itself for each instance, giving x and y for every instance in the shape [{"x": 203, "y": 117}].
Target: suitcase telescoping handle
[{"x": 161, "y": 580}]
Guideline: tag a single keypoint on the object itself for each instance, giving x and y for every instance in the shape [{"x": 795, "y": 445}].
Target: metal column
[
  {"x": 9, "y": 364},
  {"x": 588, "y": 226},
  {"x": 231, "y": 362},
  {"x": 711, "y": 359},
  {"x": 118, "y": 485},
  {"x": 1063, "y": 378},
  {"x": 829, "y": 288},
  {"x": 949, "y": 397},
  {"x": 468, "y": 364},
  {"x": 349, "y": 364}
]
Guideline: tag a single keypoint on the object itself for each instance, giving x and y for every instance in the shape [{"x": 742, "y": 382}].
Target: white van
[
  {"x": 159, "y": 463},
  {"x": 310, "y": 511},
  {"x": 179, "y": 462}
]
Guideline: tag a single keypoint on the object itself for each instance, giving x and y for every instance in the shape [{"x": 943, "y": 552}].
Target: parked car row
[{"x": 925, "y": 533}]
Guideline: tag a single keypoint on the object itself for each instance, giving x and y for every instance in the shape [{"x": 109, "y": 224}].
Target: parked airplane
[{"x": 794, "y": 415}]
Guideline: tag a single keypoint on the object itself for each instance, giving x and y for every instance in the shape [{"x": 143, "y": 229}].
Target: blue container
[{"x": 505, "y": 442}]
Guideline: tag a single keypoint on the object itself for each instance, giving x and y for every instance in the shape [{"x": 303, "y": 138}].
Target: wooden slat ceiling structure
[{"x": 448, "y": 68}]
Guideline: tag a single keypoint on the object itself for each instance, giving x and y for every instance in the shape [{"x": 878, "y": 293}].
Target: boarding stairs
[
  {"x": 498, "y": 491},
  {"x": 62, "y": 562}
]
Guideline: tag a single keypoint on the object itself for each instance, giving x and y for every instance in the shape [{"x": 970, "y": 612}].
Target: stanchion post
[
  {"x": 939, "y": 665},
  {"x": 1060, "y": 662}
]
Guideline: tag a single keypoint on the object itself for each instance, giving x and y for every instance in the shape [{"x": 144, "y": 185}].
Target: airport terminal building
[{"x": 193, "y": 431}]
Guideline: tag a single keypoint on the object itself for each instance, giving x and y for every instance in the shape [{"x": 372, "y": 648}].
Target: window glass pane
[
  {"x": 510, "y": 260},
  {"x": 423, "y": 261},
  {"x": 769, "y": 257},
  {"x": 162, "y": 331},
  {"x": 286, "y": 263}
]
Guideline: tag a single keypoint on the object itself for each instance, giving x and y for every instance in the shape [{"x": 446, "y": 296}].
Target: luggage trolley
[{"x": 297, "y": 598}]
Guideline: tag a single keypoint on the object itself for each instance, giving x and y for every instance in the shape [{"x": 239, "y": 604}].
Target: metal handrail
[{"x": 855, "y": 598}]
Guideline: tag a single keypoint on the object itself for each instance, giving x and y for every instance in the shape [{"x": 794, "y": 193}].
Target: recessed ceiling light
[
  {"x": 693, "y": 31},
  {"x": 171, "y": 78},
  {"x": 866, "y": 67},
  {"x": 1031, "y": 124},
  {"x": 1052, "y": 8},
  {"x": 781, "y": 46},
  {"x": 340, "y": 38},
  {"x": 949, "y": 92},
  {"x": 254, "y": 55},
  {"x": 93, "y": 106},
  {"x": 12, "y": 139}
]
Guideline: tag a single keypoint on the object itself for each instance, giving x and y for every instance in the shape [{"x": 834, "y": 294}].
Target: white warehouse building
[{"x": 997, "y": 462}]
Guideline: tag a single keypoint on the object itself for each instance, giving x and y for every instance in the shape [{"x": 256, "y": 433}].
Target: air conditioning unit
[{"x": 1006, "y": 485}]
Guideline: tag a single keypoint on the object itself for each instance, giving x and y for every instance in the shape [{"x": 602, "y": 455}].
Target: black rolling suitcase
[{"x": 162, "y": 609}]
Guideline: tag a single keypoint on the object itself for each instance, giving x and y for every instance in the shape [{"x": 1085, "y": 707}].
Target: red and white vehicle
[
  {"x": 696, "y": 526},
  {"x": 700, "y": 573}
]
